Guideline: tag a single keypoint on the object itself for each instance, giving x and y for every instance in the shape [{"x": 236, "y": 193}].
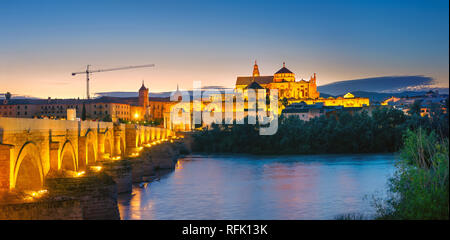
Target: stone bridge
[{"x": 33, "y": 149}]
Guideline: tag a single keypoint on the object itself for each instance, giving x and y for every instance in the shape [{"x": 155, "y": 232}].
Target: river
[{"x": 261, "y": 187}]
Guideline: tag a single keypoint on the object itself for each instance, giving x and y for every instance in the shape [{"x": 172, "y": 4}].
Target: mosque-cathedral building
[{"x": 296, "y": 91}]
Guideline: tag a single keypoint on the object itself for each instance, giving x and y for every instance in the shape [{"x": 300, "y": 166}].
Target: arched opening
[
  {"x": 122, "y": 147},
  {"x": 29, "y": 177},
  {"x": 91, "y": 147},
  {"x": 138, "y": 140},
  {"x": 90, "y": 153},
  {"x": 143, "y": 140},
  {"x": 68, "y": 161},
  {"x": 29, "y": 170},
  {"x": 108, "y": 147}
]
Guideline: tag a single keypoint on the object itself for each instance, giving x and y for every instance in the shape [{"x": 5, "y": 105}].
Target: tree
[
  {"x": 8, "y": 96},
  {"x": 107, "y": 118},
  {"x": 285, "y": 102},
  {"x": 415, "y": 108},
  {"x": 83, "y": 113}
]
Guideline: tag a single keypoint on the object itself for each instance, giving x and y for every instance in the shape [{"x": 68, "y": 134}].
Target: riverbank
[{"x": 93, "y": 194}]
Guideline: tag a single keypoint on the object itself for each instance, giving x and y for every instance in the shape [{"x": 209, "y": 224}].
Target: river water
[{"x": 261, "y": 187}]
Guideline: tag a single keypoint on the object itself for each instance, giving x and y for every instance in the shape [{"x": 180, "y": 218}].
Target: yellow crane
[{"x": 88, "y": 72}]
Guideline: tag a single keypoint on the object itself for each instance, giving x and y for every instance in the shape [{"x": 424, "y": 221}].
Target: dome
[
  {"x": 284, "y": 75},
  {"x": 283, "y": 69},
  {"x": 349, "y": 95}
]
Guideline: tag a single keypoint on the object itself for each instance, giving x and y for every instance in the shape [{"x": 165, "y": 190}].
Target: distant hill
[
  {"x": 389, "y": 84},
  {"x": 152, "y": 94},
  {"x": 129, "y": 94},
  {"x": 378, "y": 97},
  {"x": 15, "y": 96}
]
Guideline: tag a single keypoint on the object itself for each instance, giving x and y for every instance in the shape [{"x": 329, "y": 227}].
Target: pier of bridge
[{"x": 33, "y": 149}]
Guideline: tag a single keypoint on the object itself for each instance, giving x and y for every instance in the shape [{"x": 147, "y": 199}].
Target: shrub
[{"x": 419, "y": 188}]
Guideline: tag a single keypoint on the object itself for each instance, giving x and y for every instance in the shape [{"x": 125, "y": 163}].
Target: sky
[{"x": 43, "y": 42}]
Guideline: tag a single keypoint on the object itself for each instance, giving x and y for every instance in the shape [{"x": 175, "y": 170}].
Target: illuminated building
[
  {"x": 284, "y": 81},
  {"x": 104, "y": 108},
  {"x": 296, "y": 91}
]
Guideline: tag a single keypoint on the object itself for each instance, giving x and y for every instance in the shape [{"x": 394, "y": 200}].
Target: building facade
[
  {"x": 141, "y": 108},
  {"x": 283, "y": 80}
]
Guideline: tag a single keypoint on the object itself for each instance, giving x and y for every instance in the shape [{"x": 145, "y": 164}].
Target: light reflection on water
[{"x": 261, "y": 187}]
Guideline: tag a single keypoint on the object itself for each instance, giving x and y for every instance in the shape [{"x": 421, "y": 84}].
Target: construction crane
[{"x": 88, "y": 72}]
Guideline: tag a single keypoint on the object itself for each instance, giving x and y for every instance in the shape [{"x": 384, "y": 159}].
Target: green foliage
[
  {"x": 419, "y": 188},
  {"x": 83, "y": 113},
  {"x": 121, "y": 120},
  {"x": 107, "y": 118},
  {"x": 415, "y": 108},
  {"x": 437, "y": 121},
  {"x": 285, "y": 102},
  {"x": 154, "y": 122}
]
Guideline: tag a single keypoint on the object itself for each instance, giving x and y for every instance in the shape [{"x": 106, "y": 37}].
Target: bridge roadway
[{"x": 32, "y": 149}]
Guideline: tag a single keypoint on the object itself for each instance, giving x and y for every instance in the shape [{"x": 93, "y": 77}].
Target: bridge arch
[
  {"x": 138, "y": 136},
  {"x": 68, "y": 158},
  {"x": 28, "y": 171},
  {"x": 91, "y": 147},
  {"x": 122, "y": 147}
]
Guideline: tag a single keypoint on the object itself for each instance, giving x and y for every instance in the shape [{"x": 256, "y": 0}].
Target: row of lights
[
  {"x": 38, "y": 194},
  {"x": 153, "y": 144},
  {"x": 32, "y": 195}
]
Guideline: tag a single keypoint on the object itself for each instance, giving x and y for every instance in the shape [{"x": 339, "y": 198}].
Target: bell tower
[
  {"x": 255, "y": 70},
  {"x": 143, "y": 96},
  {"x": 313, "y": 93}
]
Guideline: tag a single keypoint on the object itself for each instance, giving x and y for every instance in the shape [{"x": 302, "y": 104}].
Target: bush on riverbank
[
  {"x": 343, "y": 133},
  {"x": 419, "y": 188}
]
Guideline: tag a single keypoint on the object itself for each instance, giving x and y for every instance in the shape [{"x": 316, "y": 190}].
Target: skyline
[{"x": 44, "y": 42}]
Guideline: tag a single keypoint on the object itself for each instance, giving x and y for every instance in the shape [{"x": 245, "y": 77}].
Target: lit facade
[
  {"x": 296, "y": 91},
  {"x": 283, "y": 80}
]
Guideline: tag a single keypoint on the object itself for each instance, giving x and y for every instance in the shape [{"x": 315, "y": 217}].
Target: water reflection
[{"x": 249, "y": 187}]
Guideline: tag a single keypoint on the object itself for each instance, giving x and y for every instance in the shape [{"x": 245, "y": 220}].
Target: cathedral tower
[
  {"x": 255, "y": 70},
  {"x": 312, "y": 88},
  {"x": 143, "y": 96}
]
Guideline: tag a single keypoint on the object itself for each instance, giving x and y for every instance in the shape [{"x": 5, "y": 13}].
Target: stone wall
[
  {"x": 97, "y": 194},
  {"x": 5, "y": 165},
  {"x": 161, "y": 156},
  {"x": 120, "y": 171}
]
